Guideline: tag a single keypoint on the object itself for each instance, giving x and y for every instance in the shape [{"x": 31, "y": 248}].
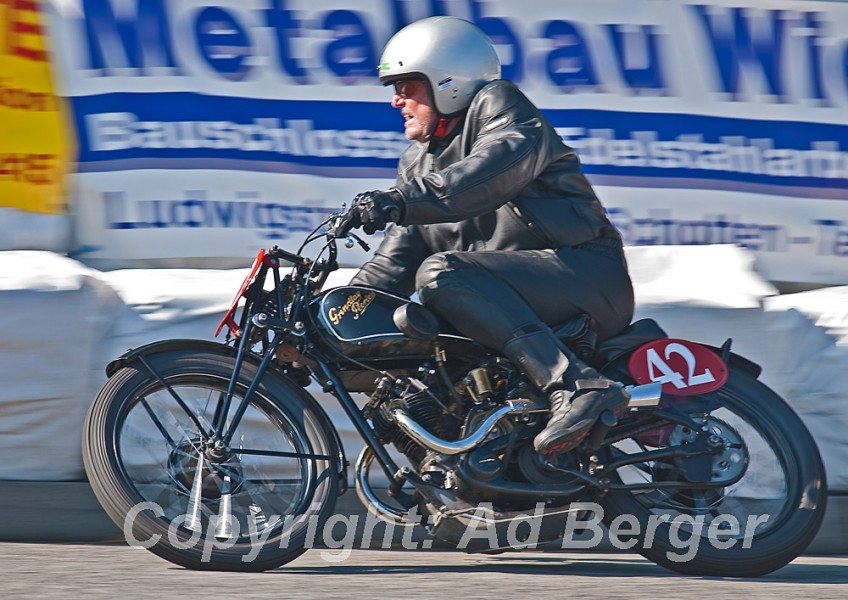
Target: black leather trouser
[{"x": 507, "y": 300}]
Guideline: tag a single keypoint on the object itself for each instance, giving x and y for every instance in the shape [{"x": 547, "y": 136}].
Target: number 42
[{"x": 660, "y": 372}]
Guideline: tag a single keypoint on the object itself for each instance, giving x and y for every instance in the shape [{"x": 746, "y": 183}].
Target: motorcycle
[{"x": 217, "y": 455}]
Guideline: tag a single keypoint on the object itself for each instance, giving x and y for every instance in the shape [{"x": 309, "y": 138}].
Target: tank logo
[{"x": 356, "y": 304}]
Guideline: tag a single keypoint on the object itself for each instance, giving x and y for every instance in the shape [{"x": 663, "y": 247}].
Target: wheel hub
[
  {"x": 729, "y": 461},
  {"x": 221, "y": 470}
]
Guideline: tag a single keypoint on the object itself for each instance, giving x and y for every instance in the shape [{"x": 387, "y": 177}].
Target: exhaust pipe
[
  {"x": 428, "y": 440},
  {"x": 641, "y": 396},
  {"x": 369, "y": 498}
]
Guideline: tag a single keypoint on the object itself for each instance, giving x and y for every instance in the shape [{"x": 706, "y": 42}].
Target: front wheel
[
  {"x": 765, "y": 517},
  {"x": 249, "y": 505}
]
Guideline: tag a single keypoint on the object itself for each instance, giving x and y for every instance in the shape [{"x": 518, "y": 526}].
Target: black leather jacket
[{"x": 504, "y": 180}]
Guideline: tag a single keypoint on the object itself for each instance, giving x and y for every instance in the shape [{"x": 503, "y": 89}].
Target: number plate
[
  {"x": 684, "y": 368},
  {"x": 229, "y": 318}
]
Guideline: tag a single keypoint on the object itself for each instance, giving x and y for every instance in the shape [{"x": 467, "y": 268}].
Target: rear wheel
[
  {"x": 154, "y": 465},
  {"x": 766, "y": 515}
]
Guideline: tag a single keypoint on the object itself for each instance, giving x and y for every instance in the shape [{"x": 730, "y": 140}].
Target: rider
[{"x": 497, "y": 229}]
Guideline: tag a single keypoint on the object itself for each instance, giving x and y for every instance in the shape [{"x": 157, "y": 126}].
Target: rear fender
[
  {"x": 614, "y": 354},
  {"x": 740, "y": 362}
]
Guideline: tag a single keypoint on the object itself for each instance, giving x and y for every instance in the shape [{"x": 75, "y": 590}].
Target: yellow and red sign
[{"x": 35, "y": 148}]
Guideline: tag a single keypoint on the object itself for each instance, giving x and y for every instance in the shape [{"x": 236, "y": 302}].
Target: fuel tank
[{"x": 358, "y": 321}]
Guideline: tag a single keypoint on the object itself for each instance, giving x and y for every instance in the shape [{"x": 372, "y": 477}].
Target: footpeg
[{"x": 644, "y": 396}]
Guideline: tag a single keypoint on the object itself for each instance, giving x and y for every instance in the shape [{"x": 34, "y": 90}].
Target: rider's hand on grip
[
  {"x": 347, "y": 222},
  {"x": 372, "y": 211}
]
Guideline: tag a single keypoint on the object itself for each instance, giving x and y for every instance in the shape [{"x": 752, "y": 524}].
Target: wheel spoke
[
  {"x": 247, "y": 451},
  {"x": 176, "y": 397},
  {"x": 270, "y": 476},
  {"x": 148, "y": 441},
  {"x": 762, "y": 488},
  {"x": 158, "y": 424}
]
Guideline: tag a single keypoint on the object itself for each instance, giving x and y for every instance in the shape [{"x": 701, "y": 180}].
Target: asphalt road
[{"x": 117, "y": 571}]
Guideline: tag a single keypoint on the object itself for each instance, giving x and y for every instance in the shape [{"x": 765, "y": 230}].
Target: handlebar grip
[{"x": 347, "y": 223}]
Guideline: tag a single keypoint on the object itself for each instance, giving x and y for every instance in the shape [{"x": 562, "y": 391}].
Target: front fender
[
  {"x": 183, "y": 345},
  {"x": 177, "y": 344}
]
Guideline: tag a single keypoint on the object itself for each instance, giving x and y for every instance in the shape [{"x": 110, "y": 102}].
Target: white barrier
[{"x": 61, "y": 322}]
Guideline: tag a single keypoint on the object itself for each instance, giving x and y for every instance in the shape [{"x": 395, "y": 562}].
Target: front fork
[
  {"x": 222, "y": 433},
  {"x": 331, "y": 384}
]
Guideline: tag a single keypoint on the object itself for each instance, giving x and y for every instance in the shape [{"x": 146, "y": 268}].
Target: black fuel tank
[{"x": 359, "y": 321}]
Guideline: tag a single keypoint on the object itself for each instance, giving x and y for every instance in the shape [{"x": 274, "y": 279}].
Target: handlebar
[
  {"x": 338, "y": 230},
  {"x": 277, "y": 252},
  {"x": 321, "y": 268}
]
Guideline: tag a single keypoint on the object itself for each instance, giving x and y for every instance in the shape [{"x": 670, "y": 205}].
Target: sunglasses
[{"x": 407, "y": 87}]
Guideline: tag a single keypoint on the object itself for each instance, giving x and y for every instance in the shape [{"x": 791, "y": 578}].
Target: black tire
[
  {"x": 140, "y": 454},
  {"x": 794, "y": 507}
]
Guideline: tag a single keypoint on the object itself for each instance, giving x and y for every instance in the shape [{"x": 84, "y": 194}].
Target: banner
[
  {"x": 34, "y": 148},
  {"x": 209, "y": 130}
]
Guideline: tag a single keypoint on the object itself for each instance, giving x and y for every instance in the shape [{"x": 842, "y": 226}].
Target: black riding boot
[{"x": 578, "y": 393}]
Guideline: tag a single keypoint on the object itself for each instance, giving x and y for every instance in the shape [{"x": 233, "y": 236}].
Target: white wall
[{"x": 61, "y": 322}]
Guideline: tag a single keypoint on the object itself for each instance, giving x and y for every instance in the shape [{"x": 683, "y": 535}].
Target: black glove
[{"x": 371, "y": 211}]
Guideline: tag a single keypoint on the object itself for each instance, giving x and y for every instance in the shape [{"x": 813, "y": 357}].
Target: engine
[
  {"x": 446, "y": 409},
  {"x": 503, "y": 469}
]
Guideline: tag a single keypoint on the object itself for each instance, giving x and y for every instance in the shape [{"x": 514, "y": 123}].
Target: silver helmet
[{"x": 452, "y": 55}]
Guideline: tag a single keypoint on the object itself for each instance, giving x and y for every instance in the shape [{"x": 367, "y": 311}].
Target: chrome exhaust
[
  {"x": 641, "y": 396},
  {"x": 428, "y": 440},
  {"x": 369, "y": 499},
  {"x": 442, "y": 504}
]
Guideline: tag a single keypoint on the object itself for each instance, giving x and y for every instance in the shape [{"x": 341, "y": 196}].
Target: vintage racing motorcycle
[{"x": 217, "y": 456}]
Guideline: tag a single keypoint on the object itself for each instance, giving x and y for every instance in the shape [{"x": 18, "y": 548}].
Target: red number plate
[
  {"x": 684, "y": 368},
  {"x": 229, "y": 319}
]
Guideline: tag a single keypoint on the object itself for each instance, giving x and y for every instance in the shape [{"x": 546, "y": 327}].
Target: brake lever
[
  {"x": 351, "y": 237},
  {"x": 333, "y": 224}
]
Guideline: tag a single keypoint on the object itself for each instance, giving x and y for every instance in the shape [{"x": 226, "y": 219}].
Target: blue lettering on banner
[
  {"x": 141, "y": 41},
  {"x": 224, "y": 44},
  {"x": 737, "y": 38},
  {"x": 804, "y": 158},
  {"x": 747, "y": 44},
  {"x": 351, "y": 53},
  {"x": 161, "y": 130},
  {"x": 756, "y": 41},
  {"x": 660, "y": 228},
  {"x": 749, "y": 49},
  {"x": 285, "y": 27},
  {"x": 636, "y": 50},
  {"x": 273, "y": 220},
  {"x": 569, "y": 65},
  {"x": 833, "y": 237}
]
